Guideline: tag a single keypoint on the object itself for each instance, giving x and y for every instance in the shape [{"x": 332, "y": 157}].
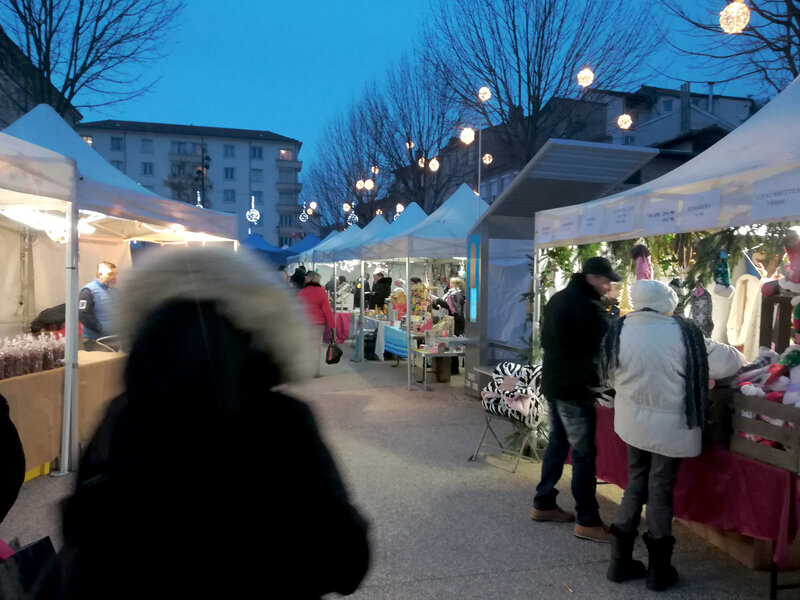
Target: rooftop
[{"x": 194, "y": 130}]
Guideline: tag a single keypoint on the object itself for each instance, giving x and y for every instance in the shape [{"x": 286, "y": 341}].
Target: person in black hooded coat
[
  {"x": 12, "y": 461},
  {"x": 203, "y": 480}
]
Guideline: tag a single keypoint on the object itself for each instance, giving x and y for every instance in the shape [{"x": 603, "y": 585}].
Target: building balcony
[
  {"x": 289, "y": 164},
  {"x": 289, "y": 187}
]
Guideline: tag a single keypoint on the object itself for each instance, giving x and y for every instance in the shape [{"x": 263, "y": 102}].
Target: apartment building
[
  {"x": 679, "y": 123},
  {"x": 225, "y": 169}
]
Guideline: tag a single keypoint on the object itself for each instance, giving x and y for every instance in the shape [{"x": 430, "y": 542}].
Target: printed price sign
[
  {"x": 776, "y": 197},
  {"x": 659, "y": 216},
  {"x": 620, "y": 217},
  {"x": 543, "y": 230},
  {"x": 699, "y": 211},
  {"x": 567, "y": 227},
  {"x": 591, "y": 222}
]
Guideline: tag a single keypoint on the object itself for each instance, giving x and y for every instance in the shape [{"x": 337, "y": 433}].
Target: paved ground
[{"x": 444, "y": 527}]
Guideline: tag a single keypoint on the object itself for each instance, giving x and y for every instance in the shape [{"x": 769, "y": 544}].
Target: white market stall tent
[
  {"x": 441, "y": 235},
  {"x": 752, "y": 175},
  {"x": 67, "y": 190},
  {"x": 307, "y": 255}
]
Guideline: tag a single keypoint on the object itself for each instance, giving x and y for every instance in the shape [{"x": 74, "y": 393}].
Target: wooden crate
[{"x": 786, "y": 458}]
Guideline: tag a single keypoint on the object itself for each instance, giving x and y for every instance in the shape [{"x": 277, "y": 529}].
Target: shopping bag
[
  {"x": 333, "y": 353},
  {"x": 19, "y": 573}
]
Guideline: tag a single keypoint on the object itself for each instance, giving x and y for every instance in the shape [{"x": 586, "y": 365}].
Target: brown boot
[
  {"x": 557, "y": 515},
  {"x": 598, "y": 533}
]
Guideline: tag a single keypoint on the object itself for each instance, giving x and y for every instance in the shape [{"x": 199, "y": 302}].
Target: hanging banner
[
  {"x": 699, "y": 211},
  {"x": 620, "y": 217},
  {"x": 473, "y": 275},
  {"x": 591, "y": 222},
  {"x": 567, "y": 227},
  {"x": 659, "y": 216},
  {"x": 776, "y": 197}
]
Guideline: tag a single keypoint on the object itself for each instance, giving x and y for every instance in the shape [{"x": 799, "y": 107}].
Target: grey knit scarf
[{"x": 696, "y": 365}]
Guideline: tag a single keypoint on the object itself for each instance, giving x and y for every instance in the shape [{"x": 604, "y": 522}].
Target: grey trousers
[{"x": 650, "y": 481}]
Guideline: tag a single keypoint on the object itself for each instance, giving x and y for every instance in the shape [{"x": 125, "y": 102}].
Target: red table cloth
[
  {"x": 342, "y": 328},
  {"x": 719, "y": 488}
]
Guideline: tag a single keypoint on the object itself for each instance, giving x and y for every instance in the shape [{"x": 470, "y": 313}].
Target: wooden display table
[{"x": 36, "y": 402}]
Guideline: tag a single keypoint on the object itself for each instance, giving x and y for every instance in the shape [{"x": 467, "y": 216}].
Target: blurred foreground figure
[{"x": 203, "y": 480}]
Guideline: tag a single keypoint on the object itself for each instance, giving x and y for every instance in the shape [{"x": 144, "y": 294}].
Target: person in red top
[{"x": 318, "y": 310}]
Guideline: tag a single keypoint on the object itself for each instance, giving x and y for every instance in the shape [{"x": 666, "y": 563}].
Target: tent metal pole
[
  {"x": 69, "y": 416},
  {"x": 360, "y": 291},
  {"x": 536, "y": 308},
  {"x": 408, "y": 324},
  {"x": 333, "y": 336}
]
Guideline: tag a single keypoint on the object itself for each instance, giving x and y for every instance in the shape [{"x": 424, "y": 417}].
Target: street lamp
[
  {"x": 734, "y": 17},
  {"x": 585, "y": 77},
  {"x": 467, "y": 135},
  {"x": 433, "y": 164}
]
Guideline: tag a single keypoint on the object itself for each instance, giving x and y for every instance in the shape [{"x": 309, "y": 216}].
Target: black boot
[
  {"x": 622, "y": 566},
  {"x": 660, "y": 572}
]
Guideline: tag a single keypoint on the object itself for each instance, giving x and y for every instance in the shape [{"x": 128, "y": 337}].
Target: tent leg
[
  {"x": 360, "y": 356},
  {"x": 69, "y": 415},
  {"x": 408, "y": 323}
]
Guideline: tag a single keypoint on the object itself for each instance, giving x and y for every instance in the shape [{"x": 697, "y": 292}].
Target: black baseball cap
[{"x": 597, "y": 265}]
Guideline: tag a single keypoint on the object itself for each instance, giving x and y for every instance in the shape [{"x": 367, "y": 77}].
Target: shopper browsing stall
[
  {"x": 318, "y": 312},
  {"x": 574, "y": 323},
  {"x": 96, "y": 306},
  {"x": 660, "y": 367}
]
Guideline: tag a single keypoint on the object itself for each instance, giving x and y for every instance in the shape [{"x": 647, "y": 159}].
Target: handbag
[
  {"x": 333, "y": 353},
  {"x": 20, "y": 572}
]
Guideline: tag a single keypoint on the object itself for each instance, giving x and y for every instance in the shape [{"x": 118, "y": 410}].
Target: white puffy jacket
[{"x": 649, "y": 407}]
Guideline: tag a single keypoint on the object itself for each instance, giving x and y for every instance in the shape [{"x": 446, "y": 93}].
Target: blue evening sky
[{"x": 286, "y": 67}]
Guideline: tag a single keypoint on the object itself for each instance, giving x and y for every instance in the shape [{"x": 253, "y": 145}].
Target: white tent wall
[
  {"x": 509, "y": 278},
  {"x": 48, "y": 259},
  {"x": 12, "y": 290}
]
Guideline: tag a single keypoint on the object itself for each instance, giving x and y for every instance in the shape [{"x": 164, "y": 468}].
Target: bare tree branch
[{"x": 102, "y": 46}]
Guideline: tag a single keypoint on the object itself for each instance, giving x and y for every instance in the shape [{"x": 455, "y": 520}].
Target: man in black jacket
[
  {"x": 573, "y": 325},
  {"x": 381, "y": 290}
]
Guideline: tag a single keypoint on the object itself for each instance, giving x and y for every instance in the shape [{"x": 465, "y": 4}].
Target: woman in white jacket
[{"x": 660, "y": 367}]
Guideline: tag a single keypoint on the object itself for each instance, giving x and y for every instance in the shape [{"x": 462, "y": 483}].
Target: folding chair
[{"x": 513, "y": 396}]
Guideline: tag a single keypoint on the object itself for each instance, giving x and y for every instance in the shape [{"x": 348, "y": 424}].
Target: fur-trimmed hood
[{"x": 245, "y": 291}]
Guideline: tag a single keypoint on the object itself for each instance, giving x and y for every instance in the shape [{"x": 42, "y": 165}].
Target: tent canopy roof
[
  {"x": 442, "y": 234},
  {"x": 105, "y": 190},
  {"x": 749, "y": 176},
  {"x": 563, "y": 172},
  {"x": 351, "y": 249}
]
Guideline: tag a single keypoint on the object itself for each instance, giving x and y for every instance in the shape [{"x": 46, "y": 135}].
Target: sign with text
[
  {"x": 567, "y": 227},
  {"x": 591, "y": 221},
  {"x": 699, "y": 211},
  {"x": 659, "y": 216},
  {"x": 776, "y": 197},
  {"x": 543, "y": 229},
  {"x": 620, "y": 217}
]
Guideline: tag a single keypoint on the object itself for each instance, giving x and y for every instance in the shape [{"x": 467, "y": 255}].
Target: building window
[
  {"x": 147, "y": 146},
  {"x": 88, "y": 139},
  {"x": 287, "y": 176},
  {"x": 256, "y": 152},
  {"x": 229, "y": 151},
  {"x": 178, "y": 148},
  {"x": 178, "y": 168},
  {"x": 285, "y": 241},
  {"x": 229, "y": 196},
  {"x": 258, "y": 196},
  {"x": 229, "y": 173},
  {"x": 628, "y": 141},
  {"x": 257, "y": 175},
  {"x": 116, "y": 143},
  {"x": 147, "y": 168},
  {"x": 668, "y": 105},
  {"x": 118, "y": 164},
  {"x": 286, "y": 220},
  {"x": 287, "y": 198},
  {"x": 285, "y": 154}
]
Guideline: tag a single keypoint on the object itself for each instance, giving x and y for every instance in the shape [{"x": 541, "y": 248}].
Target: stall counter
[{"x": 35, "y": 403}]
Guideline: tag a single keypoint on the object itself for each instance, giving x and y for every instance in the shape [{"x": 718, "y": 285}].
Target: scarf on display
[
  {"x": 450, "y": 298},
  {"x": 696, "y": 368}
]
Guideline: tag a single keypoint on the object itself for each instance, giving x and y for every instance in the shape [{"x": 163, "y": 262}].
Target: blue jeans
[{"x": 572, "y": 425}]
